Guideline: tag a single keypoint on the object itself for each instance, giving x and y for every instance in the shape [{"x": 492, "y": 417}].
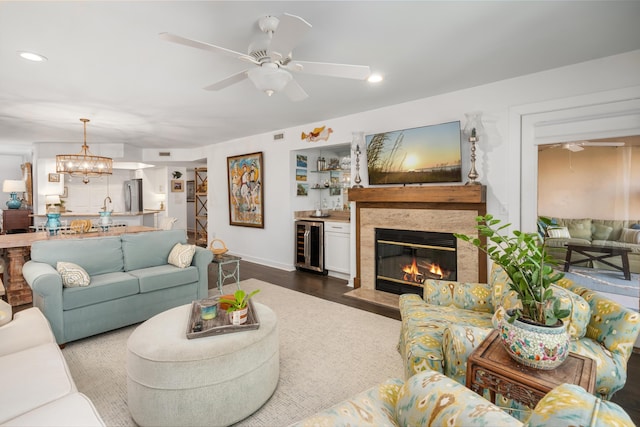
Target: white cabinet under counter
[
  {"x": 336, "y": 246},
  {"x": 146, "y": 218}
]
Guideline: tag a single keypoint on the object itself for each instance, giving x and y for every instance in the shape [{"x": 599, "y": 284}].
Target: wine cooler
[{"x": 309, "y": 249}]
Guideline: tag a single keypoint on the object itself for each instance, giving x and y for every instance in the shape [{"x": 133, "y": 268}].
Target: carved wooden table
[
  {"x": 490, "y": 367},
  {"x": 599, "y": 253}
]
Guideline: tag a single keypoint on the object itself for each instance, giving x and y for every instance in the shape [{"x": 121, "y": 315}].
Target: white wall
[{"x": 273, "y": 245}]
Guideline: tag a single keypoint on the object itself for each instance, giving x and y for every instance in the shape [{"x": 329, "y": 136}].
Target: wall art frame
[
  {"x": 245, "y": 179},
  {"x": 191, "y": 191},
  {"x": 177, "y": 185}
]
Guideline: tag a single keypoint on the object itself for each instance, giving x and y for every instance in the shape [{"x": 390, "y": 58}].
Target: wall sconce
[
  {"x": 356, "y": 144},
  {"x": 473, "y": 129}
]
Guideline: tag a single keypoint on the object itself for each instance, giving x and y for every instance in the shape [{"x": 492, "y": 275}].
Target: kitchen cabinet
[{"x": 336, "y": 246}]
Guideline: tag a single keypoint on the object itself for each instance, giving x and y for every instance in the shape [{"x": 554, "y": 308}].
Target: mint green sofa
[
  {"x": 432, "y": 399},
  {"x": 131, "y": 281}
]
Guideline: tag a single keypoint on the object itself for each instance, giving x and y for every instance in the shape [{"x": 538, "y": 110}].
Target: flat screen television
[{"x": 427, "y": 154}]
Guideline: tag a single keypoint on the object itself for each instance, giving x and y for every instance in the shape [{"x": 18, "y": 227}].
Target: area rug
[{"x": 328, "y": 352}]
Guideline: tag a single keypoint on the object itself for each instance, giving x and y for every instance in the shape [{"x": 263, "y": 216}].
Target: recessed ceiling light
[
  {"x": 32, "y": 56},
  {"x": 375, "y": 78}
]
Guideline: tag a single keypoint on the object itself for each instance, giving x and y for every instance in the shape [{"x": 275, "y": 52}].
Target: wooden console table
[
  {"x": 18, "y": 246},
  {"x": 599, "y": 253},
  {"x": 490, "y": 367}
]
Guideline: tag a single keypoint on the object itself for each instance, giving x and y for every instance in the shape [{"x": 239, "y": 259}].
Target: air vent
[
  {"x": 278, "y": 136},
  {"x": 164, "y": 154}
]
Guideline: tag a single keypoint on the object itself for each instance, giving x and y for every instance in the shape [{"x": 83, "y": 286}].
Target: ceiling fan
[
  {"x": 576, "y": 146},
  {"x": 271, "y": 55}
]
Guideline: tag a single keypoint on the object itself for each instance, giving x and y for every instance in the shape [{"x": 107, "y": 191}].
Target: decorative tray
[{"x": 219, "y": 325}]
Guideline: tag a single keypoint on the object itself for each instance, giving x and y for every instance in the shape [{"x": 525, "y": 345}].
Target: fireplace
[{"x": 406, "y": 258}]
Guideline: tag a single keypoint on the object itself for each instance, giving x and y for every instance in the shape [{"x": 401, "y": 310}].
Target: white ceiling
[{"x": 107, "y": 63}]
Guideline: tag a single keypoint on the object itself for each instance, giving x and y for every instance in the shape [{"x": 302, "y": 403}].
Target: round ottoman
[{"x": 210, "y": 381}]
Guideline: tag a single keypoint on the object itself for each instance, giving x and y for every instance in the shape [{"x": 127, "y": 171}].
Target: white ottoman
[{"x": 211, "y": 381}]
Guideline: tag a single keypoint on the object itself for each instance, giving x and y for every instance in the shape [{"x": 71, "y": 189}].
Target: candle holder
[
  {"x": 358, "y": 140},
  {"x": 473, "y": 128}
]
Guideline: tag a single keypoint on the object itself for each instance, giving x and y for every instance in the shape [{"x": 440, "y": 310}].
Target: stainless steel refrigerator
[{"x": 133, "y": 195}]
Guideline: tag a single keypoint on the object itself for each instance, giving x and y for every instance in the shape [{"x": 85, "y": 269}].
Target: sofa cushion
[
  {"x": 96, "y": 255},
  {"x": 469, "y": 296},
  {"x": 629, "y": 235},
  {"x": 142, "y": 250},
  {"x": 558, "y": 232},
  {"x": 457, "y": 344},
  {"x": 601, "y": 231},
  {"x": 431, "y": 399},
  {"x": 104, "y": 287},
  {"x": 164, "y": 276},
  {"x": 43, "y": 378},
  {"x": 72, "y": 274},
  {"x": 579, "y": 228},
  {"x": 6, "y": 312},
  {"x": 181, "y": 255},
  {"x": 571, "y": 405},
  {"x": 72, "y": 410}
]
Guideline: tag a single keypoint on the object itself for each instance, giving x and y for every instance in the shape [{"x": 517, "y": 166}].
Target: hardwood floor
[{"x": 333, "y": 289}]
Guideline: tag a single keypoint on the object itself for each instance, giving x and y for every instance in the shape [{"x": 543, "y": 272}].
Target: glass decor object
[
  {"x": 13, "y": 187},
  {"x": 53, "y": 223},
  {"x": 105, "y": 220}
]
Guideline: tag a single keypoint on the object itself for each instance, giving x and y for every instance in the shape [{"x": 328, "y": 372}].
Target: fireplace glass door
[{"x": 406, "y": 258}]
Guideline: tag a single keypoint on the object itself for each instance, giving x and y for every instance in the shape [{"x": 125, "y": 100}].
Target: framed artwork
[
  {"x": 177, "y": 185},
  {"x": 54, "y": 177},
  {"x": 301, "y": 174},
  {"x": 65, "y": 193},
  {"x": 301, "y": 161},
  {"x": 302, "y": 189},
  {"x": 246, "y": 193},
  {"x": 191, "y": 191}
]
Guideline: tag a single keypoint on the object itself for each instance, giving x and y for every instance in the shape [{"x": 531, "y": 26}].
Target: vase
[
  {"x": 53, "y": 223},
  {"x": 534, "y": 345},
  {"x": 239, "y": 317},
  {"x": 105, "y": 220}
]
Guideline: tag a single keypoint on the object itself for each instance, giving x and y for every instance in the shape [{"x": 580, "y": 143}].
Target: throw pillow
[
  {"x": 72, "y": 274},
  {"x": 601, "y": 232},
  {"x": 181, "y": 255},
  {"x": 558, "y": 232},
  {"x": 630, "y": 236},
  {"x": 635, "y": 227},
  {"x": 5, "y": 313},
  {"x": 579, "y": 228}
]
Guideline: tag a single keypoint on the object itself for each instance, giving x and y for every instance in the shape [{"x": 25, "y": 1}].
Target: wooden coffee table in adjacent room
[
  {"x": 490, "y": 367},
  {"x": 600, "y": 254}
]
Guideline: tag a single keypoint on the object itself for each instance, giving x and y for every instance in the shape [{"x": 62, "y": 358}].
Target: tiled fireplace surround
[{"x": 449, "y": 209}]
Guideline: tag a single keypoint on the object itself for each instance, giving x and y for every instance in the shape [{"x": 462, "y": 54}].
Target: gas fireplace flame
[
  {"x": 435, "y": 269},
  {"x": 412, "y": 273}
]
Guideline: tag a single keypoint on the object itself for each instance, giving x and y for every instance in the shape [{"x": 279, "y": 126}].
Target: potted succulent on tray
[
  {"x": 236, "y": 305},
  {"x": 533, "y": 333}
]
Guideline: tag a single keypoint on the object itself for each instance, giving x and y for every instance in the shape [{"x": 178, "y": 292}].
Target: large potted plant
[
  {"x": 533, "y": 333},
  {"x": 237, "y": 305}
]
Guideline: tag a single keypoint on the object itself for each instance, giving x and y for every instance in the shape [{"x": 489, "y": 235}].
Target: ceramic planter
[
  {"x": 239, "y": 317},
  {"x": 536, "y": 346}
]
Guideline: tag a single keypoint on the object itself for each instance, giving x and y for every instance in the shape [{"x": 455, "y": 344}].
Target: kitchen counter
[
  {"x": 96, "y": 214},
  {"x": 334, "y": 216}
]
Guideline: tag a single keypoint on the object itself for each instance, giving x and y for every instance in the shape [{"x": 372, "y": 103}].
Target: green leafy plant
[
  {"x": 525, "y": 260},
  {"x": 240, "y": 300}
]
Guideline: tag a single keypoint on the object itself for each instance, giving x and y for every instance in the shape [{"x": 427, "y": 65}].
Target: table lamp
[
  {"x": 14, "y": 186},
  {"x": 52, "y": 201},
  {"x": 53, "y": 213}
]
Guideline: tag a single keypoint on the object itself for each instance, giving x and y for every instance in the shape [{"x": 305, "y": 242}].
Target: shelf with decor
[{"x": 201, "y": 206}]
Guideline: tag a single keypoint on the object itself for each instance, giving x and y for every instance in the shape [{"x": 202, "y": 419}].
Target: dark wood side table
[
  {"x": 490, "y": 367},
  {"x": 16, "y": 220},
  {"x": 599, "y": 253}
]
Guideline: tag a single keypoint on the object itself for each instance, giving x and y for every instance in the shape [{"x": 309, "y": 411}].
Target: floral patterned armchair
[
  {"x": 439, "y": 331},
  {"x": 432, "y": 399}
]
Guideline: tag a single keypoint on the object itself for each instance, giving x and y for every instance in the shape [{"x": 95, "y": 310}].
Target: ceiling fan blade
[
  {"x": 345, "y": 71},
  {"x": 291, "y": 29},
  {"x": 206, "y": 46},
  {"x": 233, "y": 79},
  {"x": 602, "y": 144},
  {"x": 572, "y": 147},
  {"x": 295, "y": 92}
]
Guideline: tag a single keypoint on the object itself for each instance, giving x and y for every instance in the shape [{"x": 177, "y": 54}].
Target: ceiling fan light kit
[{"x": 271, "y": 52}]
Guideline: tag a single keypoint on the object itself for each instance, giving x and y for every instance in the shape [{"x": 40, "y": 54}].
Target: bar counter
[{"x": 19, "y": 244}]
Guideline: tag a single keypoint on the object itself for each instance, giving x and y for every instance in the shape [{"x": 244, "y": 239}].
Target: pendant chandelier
[{"x": 84, "y": 164}]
